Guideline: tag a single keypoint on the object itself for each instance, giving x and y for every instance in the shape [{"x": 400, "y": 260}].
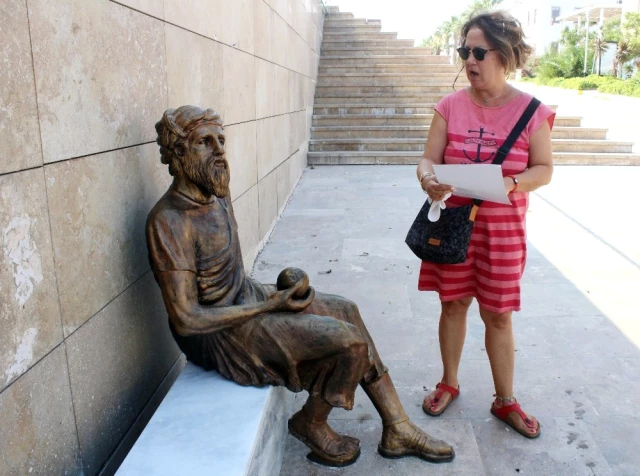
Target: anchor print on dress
[{"x": 480, "y": 142}]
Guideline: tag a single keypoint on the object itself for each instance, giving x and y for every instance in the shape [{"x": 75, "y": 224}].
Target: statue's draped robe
[{"x": 325, "y": 350}]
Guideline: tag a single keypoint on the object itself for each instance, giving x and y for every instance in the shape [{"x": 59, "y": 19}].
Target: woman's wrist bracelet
[{"x": 424, "y": 176}]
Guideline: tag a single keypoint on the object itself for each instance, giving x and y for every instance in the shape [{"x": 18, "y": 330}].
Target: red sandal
[
  {"x": 428, "y": 408},
  {"x": 502, "y": 414}
]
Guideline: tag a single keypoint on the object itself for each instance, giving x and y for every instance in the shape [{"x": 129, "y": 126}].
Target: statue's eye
[
  {"x": 204, "y": 141},
  {"x": 221, "y": 140}
]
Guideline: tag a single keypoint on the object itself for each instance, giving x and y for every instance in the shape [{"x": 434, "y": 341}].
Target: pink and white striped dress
[{"x": 497, "y": 252}]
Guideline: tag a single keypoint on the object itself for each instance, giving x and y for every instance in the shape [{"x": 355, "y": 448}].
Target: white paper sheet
[{"x": 483, "y": 181}]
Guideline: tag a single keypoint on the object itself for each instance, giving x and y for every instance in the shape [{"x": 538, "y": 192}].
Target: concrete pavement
[
  {"x": 619, "y": 114},
  {"x": 577, "y": 337}
]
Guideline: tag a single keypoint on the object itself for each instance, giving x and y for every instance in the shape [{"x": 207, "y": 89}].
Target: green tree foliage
[
  {"x": 568, "y": 61},
  {"x": 631, "y": 32},
  {"x": 446, "y": 35},
  {"x": 611, "y": 30}
]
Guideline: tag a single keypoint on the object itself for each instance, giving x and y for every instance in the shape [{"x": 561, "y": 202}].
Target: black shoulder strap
[{"x": 504, "y": 149}]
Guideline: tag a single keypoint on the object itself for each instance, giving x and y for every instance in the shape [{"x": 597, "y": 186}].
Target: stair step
[
  {"x": 334, "y": 21},
  {"x": 573, "y": 158},
  {"x": 372, "y": 60},
  {"x": 360, "y": 144},
  {"x": 365, "y": 99},
  {"x": 372, "y": 120},
  {"x": 376, "y": 51},
  {"x": 592, "y": 146},
  {"x": 418, "y": 90},
  {"x": 412, "y": 157},
  {"x": 365, "y": 120},
  {"x": 389, "y": 79},
  {"x": 381, "y": 128},
  {"x": 377, "y": 36},
  {"x": 370, "y": 132},
  {"x": 363, "y": 158},
  {"x": 567, "y": 121},
  {"x": 333, "y": 15},
  {"x": 427, "y": 108},
  {"x": 360, "y": 109},
  {"x": 352, "y": 30},
  {"x": 390, "y": 69},
  {"x": 417, "y": 144},
  {"x": 328, "y": 44},
  {"x": 587, "y": 133}
]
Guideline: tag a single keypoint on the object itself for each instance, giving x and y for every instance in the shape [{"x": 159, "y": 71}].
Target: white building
[{"x": 544, "y": 20}]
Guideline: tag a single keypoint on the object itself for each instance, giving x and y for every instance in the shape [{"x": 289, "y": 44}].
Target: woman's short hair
[{"x": 504, "y": 33}]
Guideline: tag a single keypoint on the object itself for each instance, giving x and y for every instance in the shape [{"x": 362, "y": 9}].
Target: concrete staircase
[{"x": 375, "y": 96}]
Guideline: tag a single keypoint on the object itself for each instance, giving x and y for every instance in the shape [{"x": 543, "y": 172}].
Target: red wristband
[{"x": 515, "y": 181}]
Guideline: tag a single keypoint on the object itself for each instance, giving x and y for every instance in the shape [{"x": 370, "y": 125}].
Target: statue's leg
[
  {"x": 400, "y": 436},
  {"x": 310, "y": 426},
  {"x": 328, "y": 358},
  {"x": 346, "y": 310}
]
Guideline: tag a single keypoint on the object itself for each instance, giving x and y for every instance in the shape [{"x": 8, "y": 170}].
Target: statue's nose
[{"x": 218, "y": 148}]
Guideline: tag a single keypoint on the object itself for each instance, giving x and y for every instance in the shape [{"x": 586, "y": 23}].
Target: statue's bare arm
[{"x": 189, "y": 317}]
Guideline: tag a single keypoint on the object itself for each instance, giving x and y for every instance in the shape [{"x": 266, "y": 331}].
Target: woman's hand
[
  {"x": 509, "y": 184},
  {"x": 435, "y": 190}
]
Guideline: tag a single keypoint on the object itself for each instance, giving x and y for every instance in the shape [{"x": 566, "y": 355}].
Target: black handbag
[{"x": 446, "y": 241}]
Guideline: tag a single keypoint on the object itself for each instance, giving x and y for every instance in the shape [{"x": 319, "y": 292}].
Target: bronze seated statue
[{"x": 257, "y": 334}]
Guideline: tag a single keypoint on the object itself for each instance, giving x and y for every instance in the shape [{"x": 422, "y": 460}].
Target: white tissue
[{"x": 434, "y": 211}]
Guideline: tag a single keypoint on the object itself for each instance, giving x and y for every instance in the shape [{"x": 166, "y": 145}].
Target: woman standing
[{"x": 468, "y": 127}]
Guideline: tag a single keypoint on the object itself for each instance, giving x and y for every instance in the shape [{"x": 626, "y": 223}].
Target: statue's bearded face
[{"x": 204, "y": 161}]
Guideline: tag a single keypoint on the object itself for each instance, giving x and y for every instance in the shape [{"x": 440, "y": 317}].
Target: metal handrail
[{"x": 324, "y": 6}]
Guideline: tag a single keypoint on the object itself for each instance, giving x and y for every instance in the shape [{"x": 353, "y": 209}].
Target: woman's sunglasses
[{"x": 478, "y": 53}]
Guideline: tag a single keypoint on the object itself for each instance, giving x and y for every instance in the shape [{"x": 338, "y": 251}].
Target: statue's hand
[{"x": 285, "y": 300}]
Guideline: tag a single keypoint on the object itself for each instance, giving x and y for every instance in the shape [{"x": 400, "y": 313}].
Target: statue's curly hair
[{"x": 174, "y": 129}]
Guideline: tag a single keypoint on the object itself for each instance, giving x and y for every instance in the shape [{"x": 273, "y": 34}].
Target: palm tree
[
  {"x": 449, "y": 28},
  {"x": 435, "y": 42},
  {"x": 600, "y": 47},
  {"x": 479, "y": 5},
  {"x": 623, "y": 54}
]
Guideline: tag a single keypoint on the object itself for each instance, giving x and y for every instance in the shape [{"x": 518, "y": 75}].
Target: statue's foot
[
  {"x": 328, "y": 447},
  {"x": 406, "y": 439}
]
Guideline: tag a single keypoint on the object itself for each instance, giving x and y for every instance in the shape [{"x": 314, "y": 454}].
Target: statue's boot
[
  {"x": 404, "y": 438},
  {"x": 328, "y": 447},
  {"x": 400, "y": 436}
]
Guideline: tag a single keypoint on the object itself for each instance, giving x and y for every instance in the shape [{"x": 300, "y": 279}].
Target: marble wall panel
[
  {"x": 98, "y": 208},
  {"x": 154, "y": 8},
  {"x": 20, "y": 146},
  {"x": 194, "y": 70},
  {"x": 241, "y": 151},
  {"x": 38, "y": 432},
  {"x": 246, "y": 211},
  {"x": 100, "y": 75},
  {"x": 239, "y": 76},
  {"x": 267, "y": 202},
  {"x": 263, "y": 30},
  {"x": 116, "y": 361},
  {"x": 198, "y": 16},
  {"x": 29, "y": 311},
  {"x": 265, "y": 87}
]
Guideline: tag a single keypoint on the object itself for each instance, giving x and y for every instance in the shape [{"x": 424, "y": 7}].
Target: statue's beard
[{"x": 212, "y": 178}]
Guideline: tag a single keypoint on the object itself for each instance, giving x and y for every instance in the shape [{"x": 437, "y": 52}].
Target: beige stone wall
[{"x": 83, "y": 337}]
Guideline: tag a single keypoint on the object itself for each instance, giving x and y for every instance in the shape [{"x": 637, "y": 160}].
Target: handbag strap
[{"x": 504, "y": 149}]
